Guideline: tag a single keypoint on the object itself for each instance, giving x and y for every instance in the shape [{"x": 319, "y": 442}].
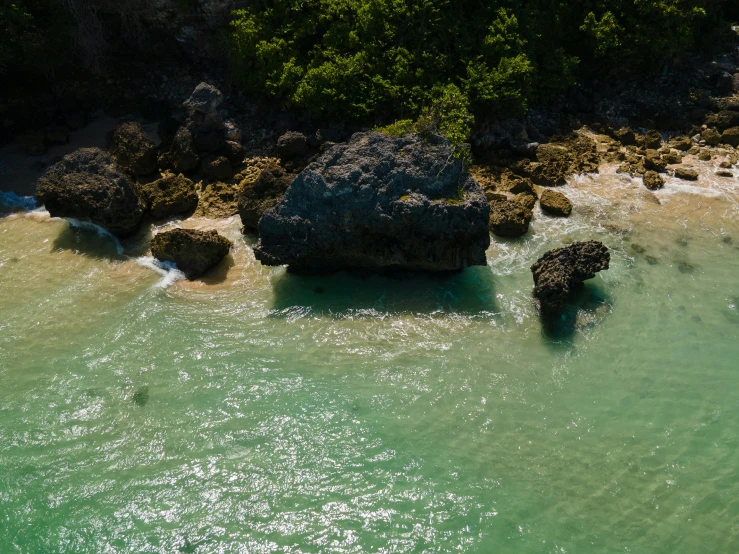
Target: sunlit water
[{"x": 259, "y": 412}]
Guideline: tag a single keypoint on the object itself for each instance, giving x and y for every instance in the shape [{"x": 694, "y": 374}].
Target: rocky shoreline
[{"x": 201, "y": 164}]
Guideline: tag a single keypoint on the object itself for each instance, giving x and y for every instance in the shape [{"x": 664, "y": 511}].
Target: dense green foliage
[{"x": 384, "y": 59}]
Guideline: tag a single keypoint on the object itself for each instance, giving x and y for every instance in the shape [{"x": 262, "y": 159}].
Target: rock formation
[
  {"x": 509, "y": 218},
  {"x": 88, "y": 185},
  {"x": 132, "y": 148},
  {"x": 170, "y": 195},
  {"x": 379, "y": 202},
  {"x": 558, "y": 272},
  {"x": 265, "y": 192},
  {"x": 193, "y": 252},
  {"x": 555, "y": 203}
]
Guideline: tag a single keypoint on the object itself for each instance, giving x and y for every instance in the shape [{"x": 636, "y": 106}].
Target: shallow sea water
[{"x": 261, "y": 412}]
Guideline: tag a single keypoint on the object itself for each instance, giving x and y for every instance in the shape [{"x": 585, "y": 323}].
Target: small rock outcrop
[
  {"x": 185, "y": 156},
  {"x": 555, "y": 203},
  {"x": 560, "y": 271},
  {"x": 132, "y": 148},
  {"x": 653, "y": 181},
  {"x": 193, "y": 252},
  {"x": 686, "y": 174},
  {"x": 88, "y": 185},
  {"x": 265, "y": 192},
  {"x": 556, "y": 160},
  {"x": 509, "y": 218},
  {"x": 170, "y": 195},
  {"x": 379, "y": 202}
]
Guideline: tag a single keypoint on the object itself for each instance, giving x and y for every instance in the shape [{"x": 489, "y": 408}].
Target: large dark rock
[
  {"x": 88, "y": 185},
  {"x": 132, "y": 148},
  {"x": 653, "y": 181},
  {"x": 560, "y": 271},
  {"x": 379, "y": 202},
  {"x": 170, "y": 195},
  {"x": 724, "y": 119},
  {"x": 263, "y": 193},
  {"x": 509, "y": 218},
  {"x": 217, "y": 168},
  {"x": 193, "y": 252},
  {"x": 204, "y": 99},
  {"x": 686, "y": 174}
]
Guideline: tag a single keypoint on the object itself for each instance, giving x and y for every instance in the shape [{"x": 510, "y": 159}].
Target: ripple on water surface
[{"x": 258, "y": 411}]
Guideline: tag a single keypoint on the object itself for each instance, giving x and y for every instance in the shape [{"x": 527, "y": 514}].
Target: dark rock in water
[
  {"x": 193, "y": 252},
  {"x": 170, "y": 195},
  {"x": 205, "y": 98},
  {"x": 379, "y": 202},
  {"x": 686, "y": 174},
  {"x": 217, "y": 168},
  {"x": 638, "y": 248},
  {"x": 724, "y": 173},
  {"x": 685, "y": 267},
  {"x": 654, "y": 162},
  {"x": 653, "y": 181},
  {"x": 185, "y": 156},
  {"x": 672, "y": 157},
  {"x": 264, "y": 193},
  {"x": 509, "y": 218},
  {"x": 724, "y": 119},
  {"x": 88, "y": 185},
  {"x": 132, "y": 148},
  {"x": 651, "y": 260},
  {"x": 555, "y": 203},
  {"x": 560, "y": 271},
  {"x": 564, "y": 156},
  {"x": 528, "y": 199},
  {"x": 292, "y": 145},
  {"x": 141, "y": 396}
]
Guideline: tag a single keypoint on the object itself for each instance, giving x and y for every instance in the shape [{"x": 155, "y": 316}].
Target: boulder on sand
[
  {"x": 193, "y": 252},
  {"x": 88, "y": 185},
  {"x": 686, "y": 174},
  {"x": 560, "y": 271},
  {"x": 379, "y": 202},
  {"x": 132, "y": 148},
  {"x": 265, "y": 192},
  {"x": 653, "y": 181}
]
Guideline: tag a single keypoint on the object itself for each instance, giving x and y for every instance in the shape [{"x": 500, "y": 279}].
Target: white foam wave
[
  {"x": 167, "y": 270},
  {"x": 15, "y": 201},
  {"x": 100, "y": 231}
]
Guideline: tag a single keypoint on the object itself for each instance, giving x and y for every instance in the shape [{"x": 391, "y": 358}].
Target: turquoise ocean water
[{"x": 260, "y": 412}]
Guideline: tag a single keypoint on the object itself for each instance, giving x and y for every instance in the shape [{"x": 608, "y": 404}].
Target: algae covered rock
[
  {"x": 88, "y": 185},
  {"x": 170, "y": 195},
  {"x": 555, "y": 203},
  {"x": 560, "y": 271},
  {"x": 132, "y": 148},
  {"x": 563, "y": 156},
  {"x": 379, "y": 202},
  {"x": 292, "y": 145},
  {"x": 217, "y": 168},
  {"x": 265, "y": 192},
  {"x": 731, "y": 136},
  {"x": 193, "y": 252},
  {"x": 686, "y": 174},
  {"x": 510, "y": 218},
  {"x": 653, "y": 181}
]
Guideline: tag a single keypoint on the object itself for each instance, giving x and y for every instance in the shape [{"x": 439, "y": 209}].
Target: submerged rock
[
  {"x": 132, "y": 148},
  {"x": 509, "y": 218},
  {"x": 170, "y": 195},
  {"x": 560, "y": 271},
  {"x": 379, "y": 202},
  {"x": 88, "y": 185},
  {"x": 193, "y": 252},
  {"x": 555, "y": 203},
  {"x": 261, "y": 194}
]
